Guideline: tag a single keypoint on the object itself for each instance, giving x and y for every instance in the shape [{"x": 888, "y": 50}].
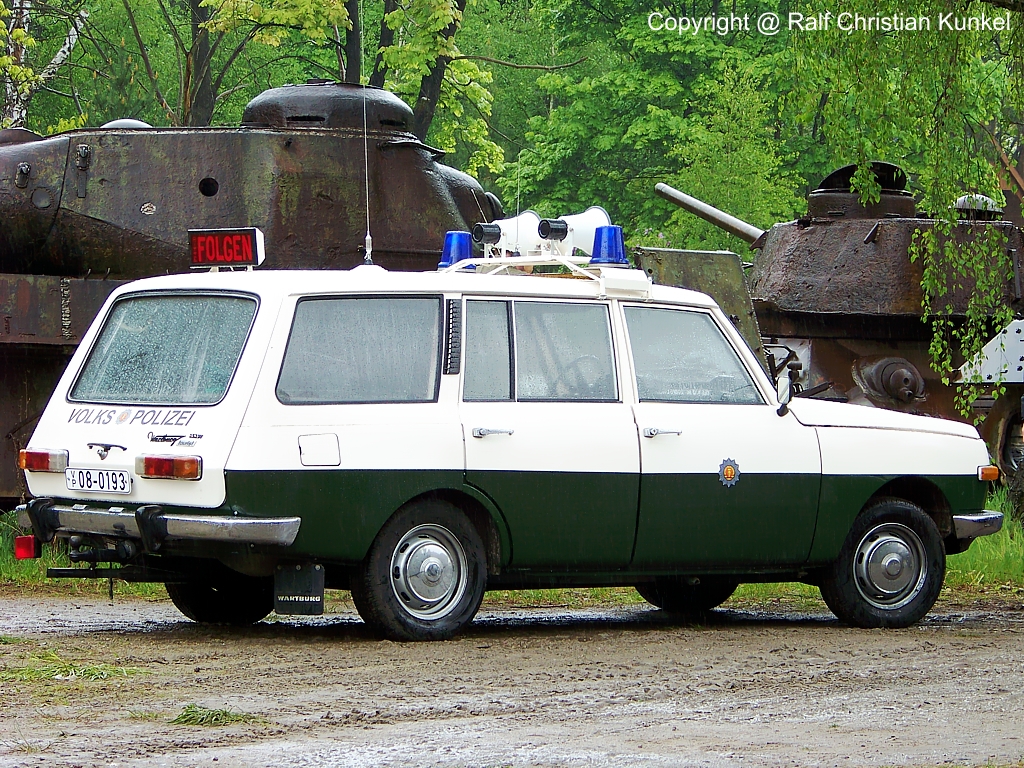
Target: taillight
[
  {"x": 36, "y": 460},
  {"x": 27, "y": 548},
  {"x": 989, "y": 473},
  {"x": 170, "y": 467}
]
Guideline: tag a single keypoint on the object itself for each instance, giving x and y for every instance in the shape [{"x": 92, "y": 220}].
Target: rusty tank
[
  {"x": 83, "y": 211},
  {"x": 839, "y": 301}
]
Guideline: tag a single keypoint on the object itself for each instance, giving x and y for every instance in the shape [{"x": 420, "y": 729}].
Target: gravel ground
[{"x": 613, "y": 686}]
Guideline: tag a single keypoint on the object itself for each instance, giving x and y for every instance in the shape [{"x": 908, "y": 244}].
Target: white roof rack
[{"x": 613, "y": 279}]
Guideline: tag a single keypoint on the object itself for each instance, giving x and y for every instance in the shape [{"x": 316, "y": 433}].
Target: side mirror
[{"x": 784, "y": 389}]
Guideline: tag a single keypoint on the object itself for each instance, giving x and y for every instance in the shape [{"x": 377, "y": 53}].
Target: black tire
[
  {"x": 675, "y": 595},
  {"x": 424, "y": 576},
  {"x": 890, "y": 570},
  {"x": 237, "y": 600}
]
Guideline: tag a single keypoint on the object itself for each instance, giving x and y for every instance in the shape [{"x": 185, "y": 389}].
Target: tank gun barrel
[{"x": 709, "y": 213}]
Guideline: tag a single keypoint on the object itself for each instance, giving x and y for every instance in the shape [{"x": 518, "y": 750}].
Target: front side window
[
  {"x": 362, "y": 350},
  {"x": 178, "y": 349},
  {"x": 682, "y": 357}
]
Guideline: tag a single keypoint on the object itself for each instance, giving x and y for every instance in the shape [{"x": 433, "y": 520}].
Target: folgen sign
[{"x": 226, "y": 247}]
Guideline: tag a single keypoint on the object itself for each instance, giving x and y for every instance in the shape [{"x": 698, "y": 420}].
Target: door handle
[
  {"x": 481, "y": 432},
  {"x": 654, "y": 431}
]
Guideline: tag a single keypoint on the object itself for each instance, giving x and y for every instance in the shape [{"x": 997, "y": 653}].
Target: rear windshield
[
  {"x": 363, "y": 350},
  {"x": 167, "y": 350}
]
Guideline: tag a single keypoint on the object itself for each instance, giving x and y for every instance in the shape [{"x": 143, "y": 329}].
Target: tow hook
[{"x": 82, "y": 550}]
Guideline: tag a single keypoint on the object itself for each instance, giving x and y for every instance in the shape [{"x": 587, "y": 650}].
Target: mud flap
[{"x": 299, "y": 589}]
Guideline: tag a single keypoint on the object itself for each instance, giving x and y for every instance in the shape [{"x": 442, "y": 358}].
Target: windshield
[{"x": 176, "y": 349}]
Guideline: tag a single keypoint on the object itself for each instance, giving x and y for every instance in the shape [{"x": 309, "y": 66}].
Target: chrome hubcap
[
  {"x": 889, "y": 566},
  {"x": 428, "y": 572}
]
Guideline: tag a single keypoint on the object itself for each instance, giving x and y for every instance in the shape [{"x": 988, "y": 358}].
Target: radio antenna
[{"x": 368, "y": 242}]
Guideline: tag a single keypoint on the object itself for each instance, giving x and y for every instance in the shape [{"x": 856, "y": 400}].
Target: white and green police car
[{"x": 248, "y": 438}]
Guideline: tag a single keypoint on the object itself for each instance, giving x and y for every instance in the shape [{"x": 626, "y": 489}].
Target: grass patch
[
  {"x": 193, "y": 714},
  {"x": 145, "y": 716},
  {"x": 8, "y": 640},
  {"x": 50, "y": 665}
]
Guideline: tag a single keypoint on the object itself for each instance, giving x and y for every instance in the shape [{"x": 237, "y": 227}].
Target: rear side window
[
  {"x": 682, "y": 357},
  {"x": 363, "y": 350},
  {"x": 488, "y": 351},
  {"x": 177, "y": 349}
]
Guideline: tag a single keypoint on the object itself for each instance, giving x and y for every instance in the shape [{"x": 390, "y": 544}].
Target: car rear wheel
[
  {"x": 678, "y": 596},
  {"x": 425, "y": 574},
  {"x": 239, "y": 600},
  {"x": 890, "y": 570}
]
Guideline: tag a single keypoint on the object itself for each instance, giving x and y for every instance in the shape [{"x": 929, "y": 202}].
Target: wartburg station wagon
[{"x": 250, "y": 438}]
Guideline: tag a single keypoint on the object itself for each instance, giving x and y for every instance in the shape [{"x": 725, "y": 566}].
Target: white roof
[{"x": 364, "y": 278}]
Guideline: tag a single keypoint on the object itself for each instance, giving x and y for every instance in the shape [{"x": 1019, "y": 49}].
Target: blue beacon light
[
  {"x": 609, "y": 247},
  {"x": 457, "y": 246}
]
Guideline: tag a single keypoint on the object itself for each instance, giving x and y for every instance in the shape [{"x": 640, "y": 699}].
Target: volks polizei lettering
[
  {"x": 170, "y": 417},
  {"x": 91, "y": 415},
  {"x": 159, "y": 417}
]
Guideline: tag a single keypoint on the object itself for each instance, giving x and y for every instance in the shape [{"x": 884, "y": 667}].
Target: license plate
[{"x": 98, "y": 480}]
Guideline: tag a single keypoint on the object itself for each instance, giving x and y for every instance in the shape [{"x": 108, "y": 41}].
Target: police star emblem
[{"x": 729, "y": 473}]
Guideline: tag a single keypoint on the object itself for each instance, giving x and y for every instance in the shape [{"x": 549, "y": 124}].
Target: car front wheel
[
  {"x": 425, "y": 574},
  {"x": 890, "y": 569}
]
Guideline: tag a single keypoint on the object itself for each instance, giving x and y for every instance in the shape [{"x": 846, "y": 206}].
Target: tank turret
[
  {"x": 837, "y": 292},
  {"x": 84, "y": 210}
]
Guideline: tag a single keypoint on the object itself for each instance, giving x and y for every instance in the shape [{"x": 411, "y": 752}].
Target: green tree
[{"x": 695, "y": 111}]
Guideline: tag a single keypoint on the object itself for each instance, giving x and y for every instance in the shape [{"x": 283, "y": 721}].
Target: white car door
[
  {"x": 547, "y": 435},
  {"x": 725, "y": 479}
]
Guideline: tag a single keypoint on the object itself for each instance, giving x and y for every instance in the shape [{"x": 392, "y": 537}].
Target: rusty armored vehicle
[
  {"x": 838, "y": 301},
  {"x": 83, "y": 211}
]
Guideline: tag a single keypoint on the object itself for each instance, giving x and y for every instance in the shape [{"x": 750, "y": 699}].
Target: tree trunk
[
  {"x": 430, "y": 85},
  {"x": 353, "y": 44},
  {"x": 387, "y": 39},
  {"x": 202, "y": 99},
  {"x": 15, "y": 101}
]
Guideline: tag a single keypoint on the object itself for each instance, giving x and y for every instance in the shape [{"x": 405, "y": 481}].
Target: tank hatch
[
  {"x": 834, "y": 199},
  {"x": 327, "y": 105}
]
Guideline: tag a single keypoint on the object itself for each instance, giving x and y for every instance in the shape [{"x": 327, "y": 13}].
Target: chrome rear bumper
[
  {"x": 966, "y": 527},
  {"x": 118, "y": 522}
]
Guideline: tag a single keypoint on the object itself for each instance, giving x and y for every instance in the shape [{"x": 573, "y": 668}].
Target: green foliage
[
  {"x": 980, "y": 264},
  {"x": 270, "y": 22},
  {"x": 465, "y": 102},
  {"x": 694, "y": 111},
  {"x": 193, "y": 714}
]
